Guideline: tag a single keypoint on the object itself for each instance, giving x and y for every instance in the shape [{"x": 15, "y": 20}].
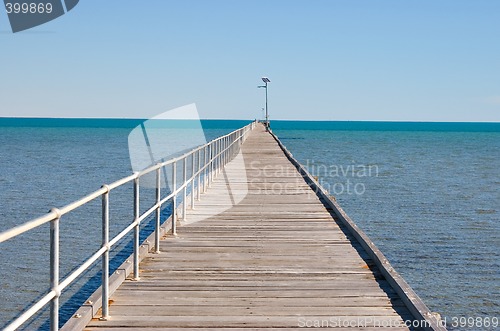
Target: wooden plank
[
  {"x": 334, "y": 303},
  {"x": 179, "y": 310}
]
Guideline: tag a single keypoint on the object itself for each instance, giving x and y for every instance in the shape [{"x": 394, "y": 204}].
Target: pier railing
[{"x": 205, "y": 162}]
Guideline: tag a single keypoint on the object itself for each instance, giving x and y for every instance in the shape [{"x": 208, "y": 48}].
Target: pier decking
[{"x": 278, "y": 259}]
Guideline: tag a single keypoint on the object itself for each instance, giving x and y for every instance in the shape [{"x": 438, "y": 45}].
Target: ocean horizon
[{"x": 275, "y": 124}]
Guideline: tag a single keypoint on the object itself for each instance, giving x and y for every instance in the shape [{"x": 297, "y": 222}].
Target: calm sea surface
[
  {"x": 430, "y": 200},
  {"x": 428, "y": 195}
]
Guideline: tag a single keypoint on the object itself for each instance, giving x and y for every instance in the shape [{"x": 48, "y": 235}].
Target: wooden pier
[{"x": 282, "y": 258}]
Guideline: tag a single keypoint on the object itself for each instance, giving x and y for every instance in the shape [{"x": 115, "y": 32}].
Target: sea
[{"x": 427, "y": 194}]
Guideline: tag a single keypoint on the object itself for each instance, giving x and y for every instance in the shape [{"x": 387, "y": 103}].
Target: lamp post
[{"x": 266, "y": 80}]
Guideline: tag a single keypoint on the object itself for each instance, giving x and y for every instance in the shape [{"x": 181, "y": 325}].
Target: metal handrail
[{"x": 216, "y": 154}]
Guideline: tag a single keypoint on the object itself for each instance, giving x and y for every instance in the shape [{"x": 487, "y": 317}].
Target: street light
[{"x": 266, "y": 80}]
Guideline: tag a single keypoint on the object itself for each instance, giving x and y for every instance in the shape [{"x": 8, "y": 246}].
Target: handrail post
[
  {"x": 198, "y": 191},
  {"x": 228, "y": 140},
  {"x": 211, "y": 165},
  {"x": 222, "y": 146},
  {"x": 158, "y": 210},
  {"x": 213, "y": 153},
  {"x": 184, "y": 191},
  {"x": 54, "y": 271},
  {"x": 192, "y": 179},
  {"x": 222, "y": 152},
  {"x": 231, "y": 146},
  {"x": 205, "y": 169},
  {"x": 136, "y": 229},
  {"x": 105, "y": 256},
  {"x": 221, "y": 163},
  {"x": 214, "y": 160},
  {"x": 235, "y": 144},
  {"x": 174, "y": 198},
  {"x": 219, "y": 156}
]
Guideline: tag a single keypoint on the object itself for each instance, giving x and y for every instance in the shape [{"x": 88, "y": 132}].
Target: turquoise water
[{"x": 426, "y": 193}]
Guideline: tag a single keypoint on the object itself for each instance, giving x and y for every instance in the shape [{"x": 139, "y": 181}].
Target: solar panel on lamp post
[{"x": 266, "y": 80}]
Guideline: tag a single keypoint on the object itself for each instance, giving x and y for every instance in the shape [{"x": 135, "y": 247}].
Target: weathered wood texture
[{"x": 278, "y": 259}]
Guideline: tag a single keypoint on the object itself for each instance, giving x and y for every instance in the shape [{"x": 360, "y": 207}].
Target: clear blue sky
[{"x": 428, "y": 60}]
